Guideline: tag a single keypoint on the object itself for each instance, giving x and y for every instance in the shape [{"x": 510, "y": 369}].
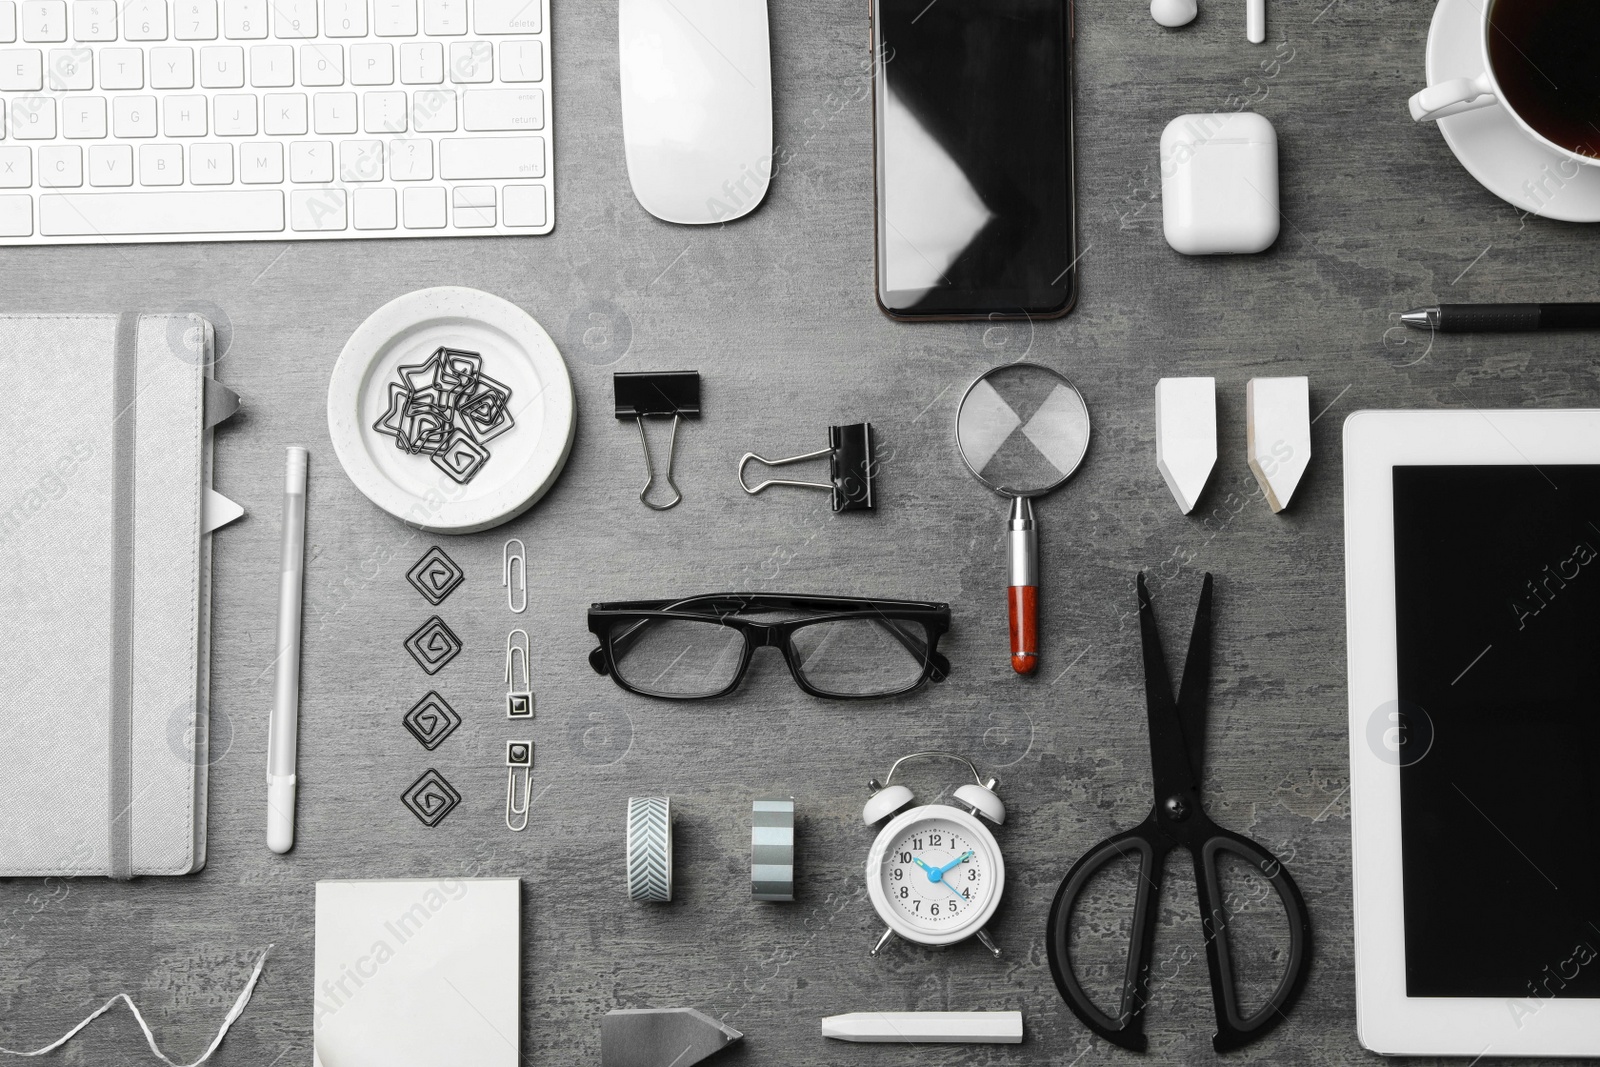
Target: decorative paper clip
[
  {"x": 850, "y": 468},
  {"x": 649, "y": 394},
  {"x": 519, "y": 755},
  {"x": 519, "y": 702},
  {"x": 520, "y": 558}
]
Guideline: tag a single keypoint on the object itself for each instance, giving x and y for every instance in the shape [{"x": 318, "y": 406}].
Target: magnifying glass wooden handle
[{"x": 1022, "y": 564}]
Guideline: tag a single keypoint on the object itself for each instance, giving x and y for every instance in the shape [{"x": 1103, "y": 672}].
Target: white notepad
[
  {"x": 106, "y": 513},
  {"x": 418, "y": 973}
]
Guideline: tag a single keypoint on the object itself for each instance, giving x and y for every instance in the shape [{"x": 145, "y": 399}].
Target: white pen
[
  {"x": 927, "y": 1027},
  {"x": 283, "y": 729}
]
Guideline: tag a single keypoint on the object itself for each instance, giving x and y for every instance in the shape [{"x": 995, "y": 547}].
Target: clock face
[{"x": 936, "y": 875}]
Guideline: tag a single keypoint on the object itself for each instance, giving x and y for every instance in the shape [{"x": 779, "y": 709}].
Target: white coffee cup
[{"x": 1469, "y": 94}]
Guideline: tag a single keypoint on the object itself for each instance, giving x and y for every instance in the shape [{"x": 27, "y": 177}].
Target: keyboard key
[
  {"x": 111, "y": 165},
  {"x": 322, "y": 64},
  {"x": 272, "y": 66},
  {"x": 160, "y": 164},
  {"x": 16, "y": 167},
  {"x": 361, "y": 161},
  {"x": 444, "y": 18},
  {"x": 502, "y": 109},
  {"x": 33, "y": 118},
  {"x": 8, "y": 21},
  {"x": 261, "y": 163},
  {"x": 44, "y": 20},
  {"x": 83, "y": 117},
  {"x": 372, "y": 64},
  {"x": 21, "y": 69},
  {"x": 16, "y": 216},
  {"x": 374, "y": 209},
  {"x": 172, "y": 67},
  {"x": 284, "y": 114},
  {"x": 434, "y": 111},
  {"x": 71, "y": 68},
  {"x": 333, "y": 112},
  {"x": 471, "y": 62},
  {"x": 133, "y": 116},
  {"x": 311, "y": 161},
  {"x": 244, "y": 20},
  {"x": 425, "y": 208},
  {"x": 345, "y": 18},
  {"x": 294, "y": 18},
  {"x": 395, "y": 18},
  {"x": 122, "y": 68},
  {"x": 60, "y": 166},
  {"x": 521, "y": 61},
  {"x": 384, "y": 112},
  {"x": 170, "y": 212},
  {"x": 506, "y": 16},
  {"x": 94, "y": 20},
  {"x": 195, "y": 20},
  {"x": 422, "y": 64},
  {"x": 210, "y": 163},
  {"x": 144, "y": 20},
  {"x": 222, "y": 66},
  {"x": 317, "y": 209},
  {"x": 184, "y": 116},
  {"x": 234, "y": 114},
  {"x": 410, "y": 159},
  {"x": 491, "y": 157}
]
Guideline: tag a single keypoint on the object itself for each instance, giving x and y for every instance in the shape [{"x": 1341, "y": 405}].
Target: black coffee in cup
[{"x": 1546, "y": 56}]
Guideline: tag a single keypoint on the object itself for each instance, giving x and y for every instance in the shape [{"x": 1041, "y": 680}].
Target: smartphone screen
[{"x": 972, "y": 108}]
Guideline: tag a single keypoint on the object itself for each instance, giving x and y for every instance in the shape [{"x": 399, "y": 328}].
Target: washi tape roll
[
  {"x": 772, "y": 849},
  {"x": 650, "y": 848}
]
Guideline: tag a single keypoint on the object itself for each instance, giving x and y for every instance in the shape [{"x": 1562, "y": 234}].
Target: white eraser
[
  {"x": 1278, "y": 435},
  {"x": 1219, "y": 183},
  {"x": 1186, "y": 436}
]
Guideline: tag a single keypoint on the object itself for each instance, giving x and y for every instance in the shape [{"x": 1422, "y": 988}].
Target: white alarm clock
[{"x": 935, "y": 873}]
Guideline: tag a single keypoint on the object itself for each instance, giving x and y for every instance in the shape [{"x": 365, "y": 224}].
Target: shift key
[
  {"x": 503, "y": 109},
  {"x": 491, "y": 157}
]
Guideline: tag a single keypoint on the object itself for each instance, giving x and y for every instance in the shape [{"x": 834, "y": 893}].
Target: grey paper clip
[
  {"x": 519, "y": 757},
  {"x": 850, "y": 468},
  {"x": 519, "y": 702},
  {"x": 644, "y": 395},
  {"x": 517, "y": 561},
  {"x": 661, "y": 1037}
]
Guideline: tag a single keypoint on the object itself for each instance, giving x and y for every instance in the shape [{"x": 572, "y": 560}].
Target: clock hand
[
  {"x": 952, "y": 889},
  {"x": 964, "y": 857},
  {"x": 918, "y": 861}
]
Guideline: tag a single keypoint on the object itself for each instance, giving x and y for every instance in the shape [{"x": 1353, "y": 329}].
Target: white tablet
[{"x": 1472, "y": 553}]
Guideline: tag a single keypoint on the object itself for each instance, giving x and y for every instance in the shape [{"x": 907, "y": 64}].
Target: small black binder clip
[
  {"x": 644, "y": 395},
  {"x": 850, "y": 468}
]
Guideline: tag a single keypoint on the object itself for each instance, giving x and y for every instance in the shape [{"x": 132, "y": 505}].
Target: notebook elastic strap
[{"x": 124, "y": 446}]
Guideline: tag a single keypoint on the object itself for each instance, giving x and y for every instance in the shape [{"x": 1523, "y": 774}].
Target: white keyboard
[{"x": 265, "y": 120}]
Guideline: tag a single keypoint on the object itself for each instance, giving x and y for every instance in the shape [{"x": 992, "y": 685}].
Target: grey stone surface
[{"x": 776, "y": 312}]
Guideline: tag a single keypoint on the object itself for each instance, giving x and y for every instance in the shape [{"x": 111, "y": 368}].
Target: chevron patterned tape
[
  {"x": 650, "y": 848},
  {"x": 772, "y": 849}
]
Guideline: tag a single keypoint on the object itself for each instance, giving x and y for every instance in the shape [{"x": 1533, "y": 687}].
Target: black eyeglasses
[{"x": 698, "y": 647}]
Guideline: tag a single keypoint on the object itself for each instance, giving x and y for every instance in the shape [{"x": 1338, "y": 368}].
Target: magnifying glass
[{"x": 1022, "y": 430}]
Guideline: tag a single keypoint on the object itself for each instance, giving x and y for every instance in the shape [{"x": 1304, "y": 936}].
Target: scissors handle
[
  {"x": 1126, "y": 1028},
  {"x": 1235, "y": 1030}
]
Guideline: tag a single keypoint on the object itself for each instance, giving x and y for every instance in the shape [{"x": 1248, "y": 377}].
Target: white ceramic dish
[{"x": 523, "y": 462}]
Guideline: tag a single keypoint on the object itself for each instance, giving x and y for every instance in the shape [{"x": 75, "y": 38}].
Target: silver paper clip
[
  {"x": 519, "y": 702},
  {"x": 520, "y": 558},
  {"x": 519, "y": 756}
]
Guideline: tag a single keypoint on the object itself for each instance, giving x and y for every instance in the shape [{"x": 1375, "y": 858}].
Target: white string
[{"x": 150, "y": 1039}]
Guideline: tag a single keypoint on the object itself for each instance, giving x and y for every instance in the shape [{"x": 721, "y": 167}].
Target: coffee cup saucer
[{"x": 1490, "y": 144}]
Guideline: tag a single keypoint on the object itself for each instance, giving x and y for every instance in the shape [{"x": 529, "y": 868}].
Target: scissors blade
[
  {"x": 1170, "y": 764},
  {"x": 1192, "y": 691}
]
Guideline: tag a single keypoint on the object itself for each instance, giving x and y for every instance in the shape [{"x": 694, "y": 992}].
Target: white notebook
[
  {"x": 418, "y": 972},
  {"x": 106, "y": 511}
]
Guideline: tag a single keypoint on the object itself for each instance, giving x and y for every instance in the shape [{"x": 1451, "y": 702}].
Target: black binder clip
[
  {"x": 644, "y": 395},
  {"x": 850, "y": 468}
]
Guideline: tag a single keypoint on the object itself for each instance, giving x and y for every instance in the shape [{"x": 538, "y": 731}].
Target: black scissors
[{"x": 1177, "y": 750}]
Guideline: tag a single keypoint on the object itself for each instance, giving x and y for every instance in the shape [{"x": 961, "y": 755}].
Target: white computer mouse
[
  {"x": 696, "y": 106},
  {"x": 1171, "y": 13}
]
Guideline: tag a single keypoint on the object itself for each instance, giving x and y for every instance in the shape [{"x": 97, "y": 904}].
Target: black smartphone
[{"x": 972, "y": 141}]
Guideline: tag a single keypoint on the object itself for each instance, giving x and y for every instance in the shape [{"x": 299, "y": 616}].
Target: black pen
[{"x": 1497, "y": 318}]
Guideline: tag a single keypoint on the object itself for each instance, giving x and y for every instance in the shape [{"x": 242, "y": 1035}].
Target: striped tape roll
[
  {"x": 650, "y": 848},
  {"x": 772, "y": 849}
]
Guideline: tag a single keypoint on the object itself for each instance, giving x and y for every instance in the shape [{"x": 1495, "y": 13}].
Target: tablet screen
[{"x": 1497, "y": 597}]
